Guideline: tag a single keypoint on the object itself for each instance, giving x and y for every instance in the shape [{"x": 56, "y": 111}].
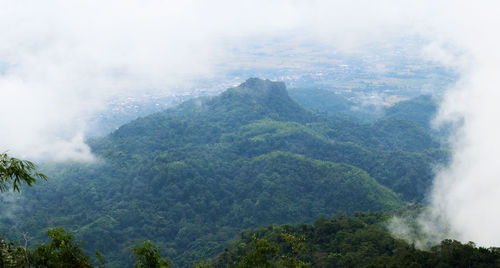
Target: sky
[{"x": 61, "y": 61}]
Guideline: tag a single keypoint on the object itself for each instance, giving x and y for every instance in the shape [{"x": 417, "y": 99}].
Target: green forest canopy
[{"x": 190, "y": 178}]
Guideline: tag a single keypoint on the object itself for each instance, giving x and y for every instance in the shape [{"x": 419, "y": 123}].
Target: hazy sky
[{"x": 61, "y": 60}]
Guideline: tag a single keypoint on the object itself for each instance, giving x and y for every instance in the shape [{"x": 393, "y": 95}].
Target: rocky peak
[{"x": 263, "y": 89}]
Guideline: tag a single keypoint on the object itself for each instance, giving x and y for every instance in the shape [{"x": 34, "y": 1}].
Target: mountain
[
  {"x": 333, "y": 106},
  {"x": 324, "y": 102},
  {"x": 386, "y": 134},
  {"x": 191, "y": 177},
  {"x": 420, "y": 110},
  {"x": 253, "y": 99}
]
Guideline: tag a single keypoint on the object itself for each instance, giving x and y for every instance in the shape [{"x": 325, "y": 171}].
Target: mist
[
  {"x": 464, "y": 195},
  {"x": 61, "y": 61}
]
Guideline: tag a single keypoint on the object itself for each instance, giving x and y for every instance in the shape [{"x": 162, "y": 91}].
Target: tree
[
  {"x": 261, "y": 253},
  {"x": 17, "y": 172},
  {"x": 12, "y": 255},
  {"x": 61, "y": 251},
  {"x": 148, "y": 256},
  {"x": 298, "y": 246}
]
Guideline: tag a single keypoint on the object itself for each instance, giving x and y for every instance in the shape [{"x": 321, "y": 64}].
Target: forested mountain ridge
[
  {"x": 191, "y": 177},
  {"x": 219, "y": 117},
  {"x": 204, "y": 120},
  {"x": 331, "y": 105},
  {"x": 420, "y": 110}
]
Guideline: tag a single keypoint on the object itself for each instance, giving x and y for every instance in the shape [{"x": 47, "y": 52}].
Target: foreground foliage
[
  {"x": 148, "y": 256},
  {"x": 359, "y": 241},
  {"x": 64, "y": 251},
  {"x": 16, "y": 172},
  {"x": 61, "y": 251}
]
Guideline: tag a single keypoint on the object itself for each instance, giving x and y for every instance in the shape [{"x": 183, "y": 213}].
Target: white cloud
[{"x": 65, "y": 58}]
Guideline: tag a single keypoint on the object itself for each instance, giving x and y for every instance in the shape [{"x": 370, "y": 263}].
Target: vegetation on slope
[
  {"x": 359, "y": 241},
  {"x": 420, "y": 110},
  {"x": 190, "y": 178}
]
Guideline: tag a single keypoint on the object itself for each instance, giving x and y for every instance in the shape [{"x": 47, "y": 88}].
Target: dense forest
[
  {"x": 192, "y": 177},
  {"x": 358, "y": 241}
]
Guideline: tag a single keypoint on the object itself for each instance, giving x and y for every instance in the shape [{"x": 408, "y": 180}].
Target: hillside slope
[
  {"x": 191, "y": 177},
  {"x": 359, "y": 241}
]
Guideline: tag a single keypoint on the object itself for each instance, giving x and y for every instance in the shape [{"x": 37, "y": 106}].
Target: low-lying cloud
[{"x": 61, "y": 60}]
